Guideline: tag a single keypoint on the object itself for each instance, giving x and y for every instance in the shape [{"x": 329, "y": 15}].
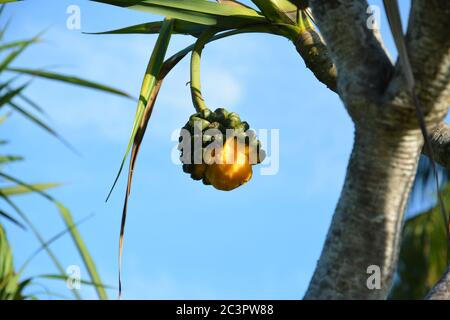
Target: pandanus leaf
[{"x": 196, "y": 11}]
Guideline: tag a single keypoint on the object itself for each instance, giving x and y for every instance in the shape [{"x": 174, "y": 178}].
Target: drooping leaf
[
  {"x": 17, "y": 43},
  {"x": 40, "y": 124},
  {"x": 153, "y": 68},
  {"x": 10, "y": 218},
  {"x": 20, "y": 189},
  {"x": 6, "y": 25},
  {"x": 7, "y": 159},
  {"x": 68, "y": 79},
  {"x": 149, "y": 85},
  {"x": 48, "y": 242},
  {"x": 82, "y": 249},
  {"x": 9, "y": 95},
  {"x": 31, "y": 103},
  {"x": 14, "y": 54},
  {"x": 37, "y": 234},
  {"x": 68, "y": 220},
  {"x": 142, "y": 125}
]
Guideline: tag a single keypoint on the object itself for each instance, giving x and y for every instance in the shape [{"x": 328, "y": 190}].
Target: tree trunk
[
  {"x": 366, "y": 227},
  {"x": 367, "y": 222}
]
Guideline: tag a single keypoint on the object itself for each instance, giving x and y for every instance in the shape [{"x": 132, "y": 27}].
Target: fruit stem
[{"x": 196, "y": 93}]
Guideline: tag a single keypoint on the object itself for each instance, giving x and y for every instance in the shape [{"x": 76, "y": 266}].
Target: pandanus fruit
[{"x": 219, "y": 149}]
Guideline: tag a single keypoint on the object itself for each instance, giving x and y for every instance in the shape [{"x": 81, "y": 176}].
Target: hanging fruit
[
  {"x": 216, "y": 147},
  {"x": 220, "y": 150}
]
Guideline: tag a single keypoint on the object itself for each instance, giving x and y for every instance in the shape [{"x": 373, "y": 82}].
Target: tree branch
[
  {"x": 441, "y": 291},
  {"x": 363, "y": 66},
  {"x": 428, "y": 46},
  {"x": 314, "y": 52}
]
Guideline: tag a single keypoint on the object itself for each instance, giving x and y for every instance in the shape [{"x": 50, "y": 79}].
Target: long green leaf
[
  {"x": 20, "y": 189},
  {"x": 17, "y": 43},
  {"x": 31, "y": 103},
  {"x": 14, "y": 54},
  {"x": 48, "y": 243},
  {"x": 68, "y": 79},
  {"x": 11, "y": 219},
  {"x": 82, "y": 249},
  {"x": 9, "y": 95},
  {"x": 200, "y": 6},
  {"x": 6, "y": 25},
  {"x": 6, "y": 260},
  {"x": 7, "y": 159},
  {"x": 145, "y": 107},
  {"x": 68, "y": 220},
  {"x": 180, "y": 27},
  {"x": 153, "y": 68},
  {"x": 8, "y": 280},
  {"x": 41, "y": 124},
  {"x": 197, "y": 11},
  {"x": 36, "y": 232}
]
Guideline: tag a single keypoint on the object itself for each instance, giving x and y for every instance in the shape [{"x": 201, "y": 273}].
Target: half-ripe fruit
[{"x": 232, "y": 168}]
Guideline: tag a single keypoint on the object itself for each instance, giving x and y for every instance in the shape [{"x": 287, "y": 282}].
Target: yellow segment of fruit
[{"x": 228, "y": 173}]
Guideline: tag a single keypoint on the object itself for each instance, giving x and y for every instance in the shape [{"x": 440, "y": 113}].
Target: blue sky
[{"x": 183, "y": 240}]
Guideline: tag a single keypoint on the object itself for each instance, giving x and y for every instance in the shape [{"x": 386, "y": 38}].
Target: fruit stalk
[{"x": 196, "y": 93}]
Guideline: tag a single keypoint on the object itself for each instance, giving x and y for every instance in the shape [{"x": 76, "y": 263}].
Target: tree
[{"x": 350, "y": 59}]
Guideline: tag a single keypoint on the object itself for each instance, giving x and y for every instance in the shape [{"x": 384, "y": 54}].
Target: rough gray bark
[
  {"x": 440, "y": 144},
  {"x": 366, "y": 225},
  {"x": 441, "y": 291}
]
